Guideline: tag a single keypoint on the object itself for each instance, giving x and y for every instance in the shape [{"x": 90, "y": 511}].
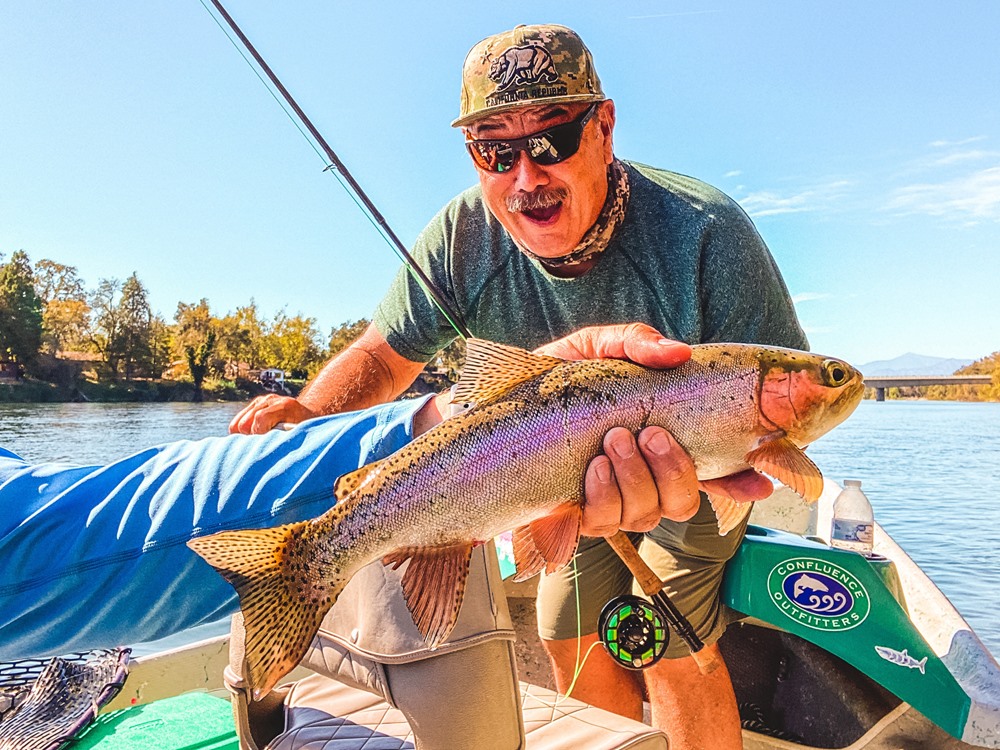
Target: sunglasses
[{"x": 545, "y": 147}]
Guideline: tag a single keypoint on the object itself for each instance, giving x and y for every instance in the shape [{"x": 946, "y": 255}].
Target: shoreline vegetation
[{"x": 63, "y": 342}]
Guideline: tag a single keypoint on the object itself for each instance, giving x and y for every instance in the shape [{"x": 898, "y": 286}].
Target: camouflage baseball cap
[{"x": 528, "y": 65}]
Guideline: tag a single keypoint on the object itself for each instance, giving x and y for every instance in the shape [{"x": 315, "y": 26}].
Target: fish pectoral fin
[
  {"x": 491, "y": 370},
  {"x": 347, "y": 483},
  {"x": 282, "y": 610},
  {"x": 547, "y": 543},
  {"x": 433, "y": 586},
  {"x": 728, "y": 512},
  {"x": 786, "y": 462}
]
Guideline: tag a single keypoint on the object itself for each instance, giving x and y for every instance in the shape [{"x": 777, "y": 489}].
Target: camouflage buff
[{"x": 525, "y": 66}]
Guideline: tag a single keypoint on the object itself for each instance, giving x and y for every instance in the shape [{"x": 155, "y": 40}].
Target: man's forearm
[
  {"x": 355, "y": 379},
  {"x": 367, "y": 373}
]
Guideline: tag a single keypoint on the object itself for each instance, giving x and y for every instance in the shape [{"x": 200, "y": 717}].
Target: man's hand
[
  {"x": 264, "y": 412},
  {"x": 636, "y": 482}
]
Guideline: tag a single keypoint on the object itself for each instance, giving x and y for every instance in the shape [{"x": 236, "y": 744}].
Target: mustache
[{"x": 540, "y": 198}]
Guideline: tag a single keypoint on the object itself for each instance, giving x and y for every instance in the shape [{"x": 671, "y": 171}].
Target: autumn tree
[
  {"x": 240, "y": 337},
  {"x": 194, "y": 338},
  {"x": 66, "y": 312},
  {"x": 20, "y": 311},
  {"x": 291, "y": 343}
]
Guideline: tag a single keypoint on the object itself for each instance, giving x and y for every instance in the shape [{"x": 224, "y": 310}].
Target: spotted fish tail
[{"x": 283, "y": 605}]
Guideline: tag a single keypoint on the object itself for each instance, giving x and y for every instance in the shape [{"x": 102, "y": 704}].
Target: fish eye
[{"x": 835, "y": 372}]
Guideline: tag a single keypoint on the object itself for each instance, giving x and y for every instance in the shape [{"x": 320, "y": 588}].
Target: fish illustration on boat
[{"x": 902, "y": 658}]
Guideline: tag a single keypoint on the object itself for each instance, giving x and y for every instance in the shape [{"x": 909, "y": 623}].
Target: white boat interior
[{"x": 793, "y": 694}]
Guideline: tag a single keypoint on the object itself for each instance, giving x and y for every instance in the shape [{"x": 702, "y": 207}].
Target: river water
[{"x": 930, "y": 469}]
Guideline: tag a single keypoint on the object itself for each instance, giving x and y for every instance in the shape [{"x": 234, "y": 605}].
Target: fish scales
[{"x": 517, "y": 460}]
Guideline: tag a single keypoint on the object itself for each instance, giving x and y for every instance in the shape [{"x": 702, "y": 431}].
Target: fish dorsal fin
[
  {"x": 347, "y": 483},
  {"x": 786, "y": 462},
  {"x": 492, "y": 369},
  {"x": 728, "y": 512},
  {"x": 433, "y": 586},
  {"x": 547, "y": 543}
]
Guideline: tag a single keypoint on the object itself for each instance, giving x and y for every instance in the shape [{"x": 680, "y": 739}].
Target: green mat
[{"x": 193, "y": 721}]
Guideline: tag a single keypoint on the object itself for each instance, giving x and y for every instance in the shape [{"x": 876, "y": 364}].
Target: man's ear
[{"x": 606, "y": 120}]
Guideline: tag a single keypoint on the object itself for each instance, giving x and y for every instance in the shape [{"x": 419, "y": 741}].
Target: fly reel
[{"x": 633, "y": 631}]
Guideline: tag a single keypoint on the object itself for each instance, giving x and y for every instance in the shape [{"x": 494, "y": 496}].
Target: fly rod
[
  {"x": 336, "y": 164},
  {"x": 651, "y": 585}
]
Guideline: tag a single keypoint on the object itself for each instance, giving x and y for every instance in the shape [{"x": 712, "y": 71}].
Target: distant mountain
[{"x": 913, "y": 364}]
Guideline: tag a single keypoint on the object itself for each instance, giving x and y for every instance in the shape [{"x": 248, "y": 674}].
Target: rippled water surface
[{"x": 931, "y": 470}]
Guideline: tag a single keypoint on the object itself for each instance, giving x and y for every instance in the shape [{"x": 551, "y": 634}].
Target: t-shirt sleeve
[
  {"x": 407, "y": 316},
  {"x": 744, "y": 298}
]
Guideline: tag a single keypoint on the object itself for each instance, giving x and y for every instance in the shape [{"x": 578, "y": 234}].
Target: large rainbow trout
[{"x": 516, "y": 460}]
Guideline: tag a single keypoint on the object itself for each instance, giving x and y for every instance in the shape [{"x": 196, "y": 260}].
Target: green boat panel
[{"x": 850, "y": 606}]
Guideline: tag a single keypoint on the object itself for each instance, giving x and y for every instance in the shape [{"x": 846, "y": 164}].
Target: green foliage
[
  {"x": 346, "y": 334},
  {"x": 20, "y": 312},
  {"x": 240, "y": 338},
  {"x": 291, "y": 343},
  {"x": 197, "y": 359}
]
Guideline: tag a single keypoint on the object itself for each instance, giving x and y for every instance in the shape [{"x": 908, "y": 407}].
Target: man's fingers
[
  {"x": 640, "y": 506},
  {"x": 602, "y": 507},
  {"x": 744, "y": 487},
  {"x": 673, "y": 472},
  {"x": 638, "y": 342}
]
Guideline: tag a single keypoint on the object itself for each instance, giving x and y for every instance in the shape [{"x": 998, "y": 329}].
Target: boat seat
[{"x": 372, "y": 684}]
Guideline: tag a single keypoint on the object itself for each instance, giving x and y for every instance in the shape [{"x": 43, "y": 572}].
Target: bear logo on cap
[{"x": 527, "y": 64}]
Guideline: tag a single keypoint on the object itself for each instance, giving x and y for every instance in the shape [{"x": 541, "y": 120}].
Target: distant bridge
[{"x": 908, "y": 381}]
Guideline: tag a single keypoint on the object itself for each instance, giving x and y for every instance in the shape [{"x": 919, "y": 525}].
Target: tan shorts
[{"x": 690, "y": 557}]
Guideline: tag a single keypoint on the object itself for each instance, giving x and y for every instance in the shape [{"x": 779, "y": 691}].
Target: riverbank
[{"x": 30, "y": 391}]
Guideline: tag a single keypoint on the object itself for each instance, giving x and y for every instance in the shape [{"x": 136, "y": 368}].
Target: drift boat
[{"x": 836, "y": 651}]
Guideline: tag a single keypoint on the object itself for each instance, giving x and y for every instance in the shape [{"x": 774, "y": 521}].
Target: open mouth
[{"x": 546, "y": 215}]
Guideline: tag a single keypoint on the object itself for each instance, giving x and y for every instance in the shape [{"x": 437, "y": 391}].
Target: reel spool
[{"x": 633, "y": 632}]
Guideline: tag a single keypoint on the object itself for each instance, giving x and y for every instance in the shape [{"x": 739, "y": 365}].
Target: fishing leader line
[{"x": 333, "y": 163}]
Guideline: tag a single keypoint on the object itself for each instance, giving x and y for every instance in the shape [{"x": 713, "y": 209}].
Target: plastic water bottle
[{"x": 853, "y": 525}]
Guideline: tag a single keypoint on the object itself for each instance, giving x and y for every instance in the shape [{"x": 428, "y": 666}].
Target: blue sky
[{"x": 863, "y": 138}]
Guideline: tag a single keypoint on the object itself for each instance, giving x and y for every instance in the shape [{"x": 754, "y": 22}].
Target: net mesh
[{"x": 43, "y": 704}]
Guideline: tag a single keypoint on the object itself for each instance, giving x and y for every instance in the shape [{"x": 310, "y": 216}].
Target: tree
[
  {"x": 20, "y": 311},
  {"x": 66, "y": 313},
  {"x": 348, "y": 332},
  {"x": 197, "y": 359},
  {"x": 240, "y": 338},
  {"x": 291, "y": 344},
  {"x": 125, "y": 327},
  {"x": 134, "y": 345},
  {"x": 194, "y": 328}
]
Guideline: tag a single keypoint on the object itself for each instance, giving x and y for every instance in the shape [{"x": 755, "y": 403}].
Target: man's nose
[{"x": 527, "y": 174}]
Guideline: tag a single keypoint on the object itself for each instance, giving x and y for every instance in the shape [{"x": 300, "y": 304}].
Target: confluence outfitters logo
[{"x": 818, "y": 594}]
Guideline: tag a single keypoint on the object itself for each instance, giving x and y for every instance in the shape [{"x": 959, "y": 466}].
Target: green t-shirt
[{"x": 686, "y": 260}]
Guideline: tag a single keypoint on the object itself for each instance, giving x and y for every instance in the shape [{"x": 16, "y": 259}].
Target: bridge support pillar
[{"x": 880, "y": 394}]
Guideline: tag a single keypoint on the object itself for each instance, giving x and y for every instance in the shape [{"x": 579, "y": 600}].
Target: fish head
[{"x": 806, "y": 395}]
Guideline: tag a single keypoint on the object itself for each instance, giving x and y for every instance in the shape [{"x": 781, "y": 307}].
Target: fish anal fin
[
  {"x": 282, "y": 607},
  {"x": 728, "y": 512},
  {"x": 347, "y": 483},
  {"x": 433, "y": 586},
  {"x": 527, "y": 559},
  {"x": 785, "y": 461},
  {"x": 492, "y": 369}
]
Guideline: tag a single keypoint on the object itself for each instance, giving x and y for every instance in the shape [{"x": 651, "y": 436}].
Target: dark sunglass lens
[{"x": 492, "y": 156}]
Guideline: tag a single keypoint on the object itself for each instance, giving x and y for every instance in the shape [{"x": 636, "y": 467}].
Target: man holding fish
[{"x": 560, "y": 235}]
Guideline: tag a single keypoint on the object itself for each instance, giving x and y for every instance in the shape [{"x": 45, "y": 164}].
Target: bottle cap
[{"x": 852, "y": 482}]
